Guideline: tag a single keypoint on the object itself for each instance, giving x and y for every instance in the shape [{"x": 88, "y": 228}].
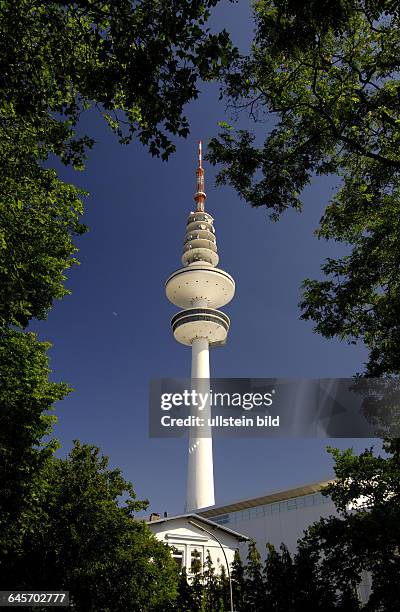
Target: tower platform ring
[
  {"x": 194, "y": 255},
  {"x": 200, "y": 283},
  {"x": 207, "y": 323}
]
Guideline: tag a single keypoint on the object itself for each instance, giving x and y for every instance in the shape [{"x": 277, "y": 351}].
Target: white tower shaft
[
  {"x": 200, "y": 474},
  {"x": 200, "y": 289}
]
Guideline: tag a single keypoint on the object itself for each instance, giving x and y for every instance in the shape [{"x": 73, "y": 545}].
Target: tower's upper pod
[
  {"x": 200, "y": 243},
  {"x": 199, "y": 284}
]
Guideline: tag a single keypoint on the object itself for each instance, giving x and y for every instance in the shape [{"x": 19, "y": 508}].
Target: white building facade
[{"x": 191, "y": 536}]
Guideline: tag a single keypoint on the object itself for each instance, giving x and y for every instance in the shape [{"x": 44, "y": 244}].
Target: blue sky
[{"x": 112, "y": 334}]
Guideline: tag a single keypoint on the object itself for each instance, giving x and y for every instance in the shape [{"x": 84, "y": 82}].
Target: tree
[
  {"x": 85, "y": 541},
  {"x": 255, "y": 588},
  {"x": 224, "y": 592},
  {"x": 142, "y": 60},
  {"x": 238, "y": 583},
  {"x": 212, "y": 587},
  {"x": 313, "y": 589},
  {"x": 323, "y": 583},
  {"x": 39, "y": 217},
  {"x": 197, "y": 584},
  {"x": 26, "y": 396},
  {"x": 365, "y": 537},
  {"x": 279, "y": 579},
  {"x": 326, "y": 74},
  {"x": 185, "y": 600}
]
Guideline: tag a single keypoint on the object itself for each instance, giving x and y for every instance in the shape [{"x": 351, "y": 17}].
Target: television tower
[{"x": 200, "y": 288}]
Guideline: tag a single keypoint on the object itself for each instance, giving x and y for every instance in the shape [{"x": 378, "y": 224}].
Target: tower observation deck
[{"x": 199, "y": 288}]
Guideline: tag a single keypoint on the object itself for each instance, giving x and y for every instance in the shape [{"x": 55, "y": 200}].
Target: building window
[
  {"x": 309, "y": 500},
  {"x": 178, "y": 556},
  {"x": 294, "y": 503},
  {"x": 222, "y": 520},
  {"x": 196, "y": 561}
]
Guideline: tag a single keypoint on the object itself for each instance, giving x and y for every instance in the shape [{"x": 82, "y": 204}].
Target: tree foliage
[
  {"x": 203, "y": 589},
  {"x": 313, "y": 590},
  {"x": 196, "y": 581},
  {"x": 279, "y": 579},
  {"x": 86, "y": 541},
  {"x": 26, "y": 396},
  {"x": 366, "y": 536},
  {"x": 142, "y": 59},
  {"x": 39, "y": 217},
  {"x": 254, "y": 580},
  {"x": 212, "y": 587},
  {"x": 224, "y": 594},
  {"x": 185, "y": 600},
  {"x": 326, "y": 75},
  {"x": 238, "y": 582}
]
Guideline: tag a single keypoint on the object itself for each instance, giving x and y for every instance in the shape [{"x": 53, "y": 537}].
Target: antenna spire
[{"x": 200, "y": 195}]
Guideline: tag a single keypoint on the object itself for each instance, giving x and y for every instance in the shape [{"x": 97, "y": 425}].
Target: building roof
[
  {"x": 243, "y": 504},
  {"x": 201, "y": 519}
]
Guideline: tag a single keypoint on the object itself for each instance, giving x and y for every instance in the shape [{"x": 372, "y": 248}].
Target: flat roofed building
[
  {"x": 278, "y": 517},
  {"x": 282, "y": 516}
]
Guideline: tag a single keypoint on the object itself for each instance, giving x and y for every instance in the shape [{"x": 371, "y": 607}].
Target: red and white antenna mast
[{"x": 200, "y": 195}]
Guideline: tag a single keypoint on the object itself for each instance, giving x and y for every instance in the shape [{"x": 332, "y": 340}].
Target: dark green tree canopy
[
  {"x": 39, "y": 218},
  {"x": 26, "y": 397},
  {"x": 86, "y": 539},
  {"x": 326, "y": 76},
  {"x": 366, "y": 534},
  {"x": 142, "y": 59},
  {"x": 255, "y": 597}
]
